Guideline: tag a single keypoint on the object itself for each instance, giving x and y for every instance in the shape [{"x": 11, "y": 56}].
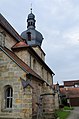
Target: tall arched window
[{"x": 8, "y": 97}]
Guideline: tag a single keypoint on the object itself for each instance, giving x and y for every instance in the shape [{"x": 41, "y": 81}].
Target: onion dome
[
  {"x": 32, "y": 36},
  {"x": 31, "y": 16}
]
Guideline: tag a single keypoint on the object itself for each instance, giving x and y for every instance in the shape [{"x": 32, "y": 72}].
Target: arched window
[{"x": 8, "y": 97}]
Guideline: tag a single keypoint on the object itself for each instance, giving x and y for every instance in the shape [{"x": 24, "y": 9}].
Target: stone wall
[
  {"x": 34, "y": 64},
  {"x": 35, "y": 96},
  {"x": 25, "y": 102},
  {"x": 10, "y": 74},
  {"x": 9, "y": 40},
  {"x": 39, "y": 52},
  {"x": 56, "y": 100},
  {"x": 24, "y": 55},
  {"x": 48, "y": 102}
]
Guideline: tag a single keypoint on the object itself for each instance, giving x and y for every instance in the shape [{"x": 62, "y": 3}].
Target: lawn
[
  {"x": 63, "y": 113},
  {"x": 68, "y": 108}
]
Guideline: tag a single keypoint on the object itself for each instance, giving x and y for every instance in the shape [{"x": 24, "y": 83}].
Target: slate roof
[
  {"x": 5, "y": 24},
  {"x": 70, "y": 92},
  {"x": 35, "y": 37}
]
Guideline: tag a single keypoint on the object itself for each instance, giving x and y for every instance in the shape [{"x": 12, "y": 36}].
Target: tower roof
[
  {"x": 31, "y": 35},
  {"x": 31, "y": 16}
]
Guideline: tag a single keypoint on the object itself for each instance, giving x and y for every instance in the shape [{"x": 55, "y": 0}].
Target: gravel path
[{"x": 74, "y": 113}]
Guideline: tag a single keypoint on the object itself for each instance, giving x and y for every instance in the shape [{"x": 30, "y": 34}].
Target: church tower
[{"x": 31, "y": 36}]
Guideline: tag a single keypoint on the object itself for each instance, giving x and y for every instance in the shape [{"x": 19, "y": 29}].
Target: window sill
[{"x": 6, "y": 110}]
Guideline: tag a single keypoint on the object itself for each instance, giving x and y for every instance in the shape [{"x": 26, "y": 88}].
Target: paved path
[{"x": 74, "y": 113}]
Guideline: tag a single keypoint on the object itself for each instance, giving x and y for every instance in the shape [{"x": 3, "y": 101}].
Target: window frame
[{"x": 8, "y": 92}]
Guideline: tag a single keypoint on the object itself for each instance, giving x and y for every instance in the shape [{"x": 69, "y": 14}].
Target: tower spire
[
  {"x": 31, "y": 19},
  {"x": 31, "y": 8}
]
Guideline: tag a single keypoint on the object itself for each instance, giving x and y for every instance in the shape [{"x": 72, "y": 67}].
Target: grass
[
  {"x": 63, "y": 113},
  {"x": 68, "y": 108}
]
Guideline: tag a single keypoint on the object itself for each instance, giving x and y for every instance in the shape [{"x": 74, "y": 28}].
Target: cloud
[{"x": 72, "y": 36}]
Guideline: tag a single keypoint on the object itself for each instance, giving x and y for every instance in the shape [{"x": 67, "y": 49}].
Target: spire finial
[{"x": 31, "y": 8}]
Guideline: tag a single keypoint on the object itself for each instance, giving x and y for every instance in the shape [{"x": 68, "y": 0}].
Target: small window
[
  {"x": 42, "y": 69},
  {"x": 29, "y": 36},
  {"x": 8, "y": 97},
  {"x": 30, "y": 60},
  {"x": 34, "y": 64},
  {"x": 31, "y": 23},
  {"x": 28, "y": 23},
  {"x": 47, "y": 76}
]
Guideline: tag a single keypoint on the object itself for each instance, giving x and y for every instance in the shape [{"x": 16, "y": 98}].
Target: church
[{"x": 26, "y": 81}]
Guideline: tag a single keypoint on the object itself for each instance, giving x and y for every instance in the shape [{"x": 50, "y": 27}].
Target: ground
[{"x": 74, "y": 113}]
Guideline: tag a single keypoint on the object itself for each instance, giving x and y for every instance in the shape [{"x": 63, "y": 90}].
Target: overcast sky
[{"x": 58, "y": 21}]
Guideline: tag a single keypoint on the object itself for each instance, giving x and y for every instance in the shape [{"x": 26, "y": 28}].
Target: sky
[{"x": 58, "y": 21}]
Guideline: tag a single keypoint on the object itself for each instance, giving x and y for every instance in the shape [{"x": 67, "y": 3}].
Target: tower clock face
[{"x": 2, "y": 39}]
